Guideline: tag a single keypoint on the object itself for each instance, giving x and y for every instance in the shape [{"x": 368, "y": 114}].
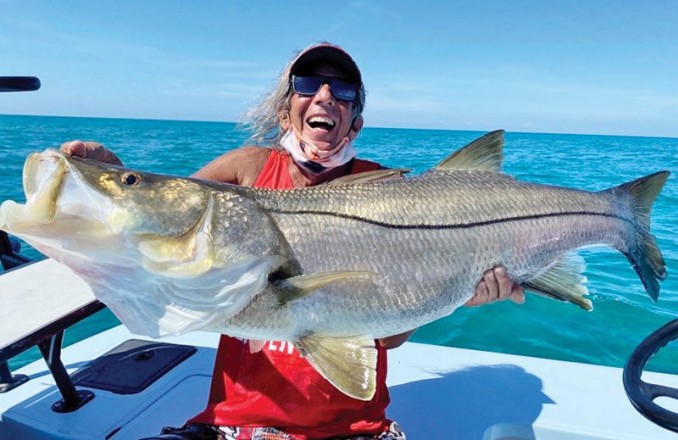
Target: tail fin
[{"x": 646, "y": 258}]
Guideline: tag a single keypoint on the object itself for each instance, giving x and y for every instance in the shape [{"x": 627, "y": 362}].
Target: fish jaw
[
  {"x": 82, "y": 207},
  {"x": 43, "y": 179},
  {"x": 57, "y": 205}
]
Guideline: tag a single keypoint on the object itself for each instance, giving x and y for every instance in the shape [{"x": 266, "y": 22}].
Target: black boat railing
[
  {"x": 9, "y": 253},
  {"x": 48, "y": 338}
]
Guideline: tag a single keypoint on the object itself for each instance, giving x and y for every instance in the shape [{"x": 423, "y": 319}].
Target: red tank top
[{"x": 276, "y": 386}]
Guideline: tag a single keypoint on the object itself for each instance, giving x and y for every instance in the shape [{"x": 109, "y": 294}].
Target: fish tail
[{"x": 645, "y": 256}]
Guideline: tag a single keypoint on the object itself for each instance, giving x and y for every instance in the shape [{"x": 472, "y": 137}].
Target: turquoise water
[{"x": 623, "y": 314}]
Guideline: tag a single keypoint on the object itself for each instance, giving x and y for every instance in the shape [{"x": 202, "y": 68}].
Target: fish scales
[
  {"x": 422, "y": 272},
  {"x": 440, "y": 200}
]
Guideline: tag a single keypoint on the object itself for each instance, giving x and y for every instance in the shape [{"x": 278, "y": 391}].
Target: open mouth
[
  {"x": 43, "y": 180},
  {"x": 320, "y": 122},
  {"x": 56, "y": 193}
]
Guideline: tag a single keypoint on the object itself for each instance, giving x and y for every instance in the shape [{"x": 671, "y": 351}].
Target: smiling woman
[{"x": 321, "y": 121}]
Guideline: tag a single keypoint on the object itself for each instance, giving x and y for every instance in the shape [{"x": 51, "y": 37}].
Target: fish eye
[{"x": 131, "y": 179}]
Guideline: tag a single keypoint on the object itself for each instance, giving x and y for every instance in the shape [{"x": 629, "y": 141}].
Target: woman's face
[{"x": 321, "y": 118}]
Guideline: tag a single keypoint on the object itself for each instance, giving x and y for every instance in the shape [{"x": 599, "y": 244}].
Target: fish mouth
[
  {"x": 43, "y": 180},
  {"x": 56, "y": 199}
]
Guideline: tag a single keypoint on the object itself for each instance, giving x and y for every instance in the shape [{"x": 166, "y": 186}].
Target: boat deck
[{"x": 436, "y": 393}]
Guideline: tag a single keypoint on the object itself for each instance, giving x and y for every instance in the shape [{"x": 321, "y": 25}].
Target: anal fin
[
  {"x": 563, "y": 281},
  {"x": 350, "y": 364}
]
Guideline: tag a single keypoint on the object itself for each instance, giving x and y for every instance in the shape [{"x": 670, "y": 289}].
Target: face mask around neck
[{"x": 311, "y": 157}]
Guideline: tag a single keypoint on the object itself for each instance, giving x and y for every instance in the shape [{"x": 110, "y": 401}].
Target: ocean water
[{"x": 623, "y": 314}]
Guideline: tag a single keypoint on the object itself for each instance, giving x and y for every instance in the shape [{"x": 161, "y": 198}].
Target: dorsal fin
[{"x": 485, "y": 153}]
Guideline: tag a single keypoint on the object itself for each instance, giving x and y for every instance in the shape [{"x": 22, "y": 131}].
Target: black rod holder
[
  {"x": 72, "y": 398},
  {"x": 9, "y": 381}
]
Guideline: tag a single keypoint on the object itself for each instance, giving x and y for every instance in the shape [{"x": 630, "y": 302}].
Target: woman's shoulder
[
  {"x": 251, "y": 150},
  {"x": 248, "y": 152},
  {"x": 240, "y": 166}
]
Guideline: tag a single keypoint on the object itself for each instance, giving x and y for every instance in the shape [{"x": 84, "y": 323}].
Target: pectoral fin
[
  {"x": 297, "y": 287},
  {"x": 563, "y": 281},
  {"x": 349, "y": 364}
]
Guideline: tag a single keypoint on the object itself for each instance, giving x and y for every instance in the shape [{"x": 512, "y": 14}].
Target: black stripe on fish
[{"x": 457, "y": 226}]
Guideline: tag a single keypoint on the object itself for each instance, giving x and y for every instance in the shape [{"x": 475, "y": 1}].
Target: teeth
[{"x": 315, "y": 120}]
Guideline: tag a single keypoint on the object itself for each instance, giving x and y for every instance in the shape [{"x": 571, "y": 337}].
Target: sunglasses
[{"x": 311, "y": 84}]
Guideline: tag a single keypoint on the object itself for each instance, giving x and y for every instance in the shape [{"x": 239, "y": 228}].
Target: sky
[{"x": 591, "y": 67}]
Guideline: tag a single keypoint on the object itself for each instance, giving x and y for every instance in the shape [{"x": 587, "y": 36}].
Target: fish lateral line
[{"x": 423, "y": 226}]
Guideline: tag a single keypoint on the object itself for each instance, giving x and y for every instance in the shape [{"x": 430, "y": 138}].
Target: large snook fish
[{"x": 329, "y": 268}]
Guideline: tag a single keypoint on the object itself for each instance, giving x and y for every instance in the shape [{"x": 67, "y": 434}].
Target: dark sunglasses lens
[
  {"x": 309, "y": 85},
  {"x": 343, "y": 90}
]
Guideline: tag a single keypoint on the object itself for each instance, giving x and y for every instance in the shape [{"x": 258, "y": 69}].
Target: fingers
[
  {"x": 497, "y": 285},
  {"x": 83, "y": 149},
  {"x": 518, "y": 294},
  {"x": 90, "y": 150},
  {"x": 481, "y": 296},
  {"x": 492, "y": 283},
  {"x": 504, "y": 285},
  {"x": 74, "y": 148}
]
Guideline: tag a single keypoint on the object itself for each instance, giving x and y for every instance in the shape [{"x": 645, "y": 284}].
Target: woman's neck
[{"x": 302, "y": 178}]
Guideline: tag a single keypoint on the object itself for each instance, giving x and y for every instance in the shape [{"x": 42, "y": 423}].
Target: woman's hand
[
  {"x": 396, "y": 340},
  {"x": 90, "y": 150},
  {"x": 496, "y": 285}
]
